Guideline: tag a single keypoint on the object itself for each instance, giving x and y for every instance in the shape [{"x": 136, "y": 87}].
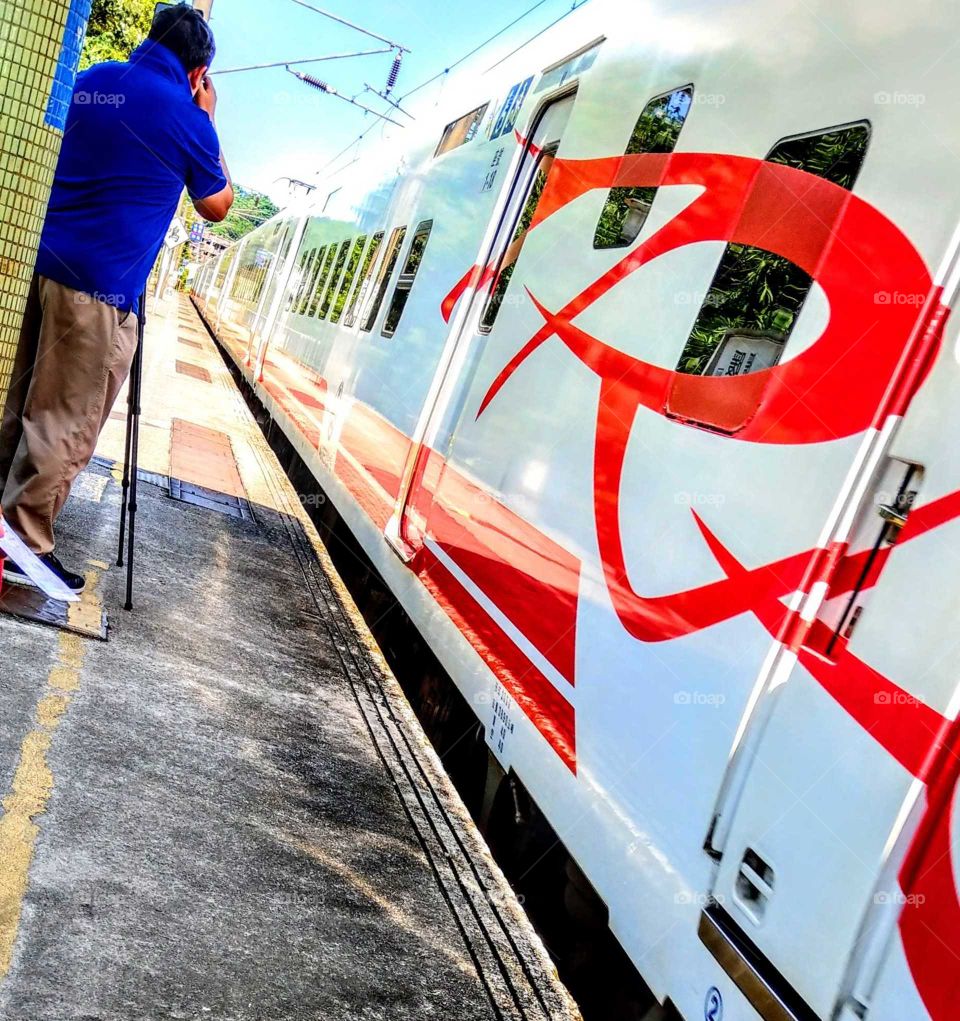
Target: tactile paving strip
[
  {"x": 204, "y": 457},
  {"x": 193, "y": 371}
]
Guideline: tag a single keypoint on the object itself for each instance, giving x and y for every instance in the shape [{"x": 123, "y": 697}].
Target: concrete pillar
[{"x": 40, "y": 41}]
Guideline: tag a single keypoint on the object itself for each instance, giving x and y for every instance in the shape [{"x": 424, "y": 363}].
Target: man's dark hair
[{"x": 183, "y": 30}]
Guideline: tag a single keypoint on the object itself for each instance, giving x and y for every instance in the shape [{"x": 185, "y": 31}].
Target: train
[{"x": 628, "y": 360}]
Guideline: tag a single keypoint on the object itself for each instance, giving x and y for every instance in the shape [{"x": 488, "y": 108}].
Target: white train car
[{"x": 630, "y": 366}]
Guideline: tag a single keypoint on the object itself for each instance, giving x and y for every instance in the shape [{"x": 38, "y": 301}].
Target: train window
[
  {"x": 321, "y": 280},
  {"x": 348, "y": 278},
  {"x": 261, "y": 278},
  {"x": 334, "y": 278},
  {"x": 238, "y": 283},
  {"x": 570, "y": 67},
  {"x": 252, "y": 268},
  {"x": 464, "y": 129},
  {"x": 509, "y": 260},
  {"x": 234, "y": 284},
  {"x": 223, "y": 264},
  {"x": 306, "y": 265},
  {"x": 390, "y": 255},
  {"x": 295, "y": 296},
  {"x": 316, "y": 262},
  {"x": 755, "y": 296},
  {"x": 360, "y": 292},
  {"x": 657, "y": 130},
  {"x": 405, "y": 282}
]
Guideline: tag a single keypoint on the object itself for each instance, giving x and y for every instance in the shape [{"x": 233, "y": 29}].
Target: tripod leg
[
  {"x": 131, "y": 531},
  {"x": 125, "y": 484},
  {"x": 136, "y": 383}
]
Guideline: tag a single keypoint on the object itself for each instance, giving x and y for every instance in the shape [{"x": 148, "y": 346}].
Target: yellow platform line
[{"x": 32, "y": 785}]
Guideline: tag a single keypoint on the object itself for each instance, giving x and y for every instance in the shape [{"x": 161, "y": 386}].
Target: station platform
[{"x": 227, "y": 809}]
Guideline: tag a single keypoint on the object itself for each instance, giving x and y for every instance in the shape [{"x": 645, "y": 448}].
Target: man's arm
[{"x": 214, "y": 207}]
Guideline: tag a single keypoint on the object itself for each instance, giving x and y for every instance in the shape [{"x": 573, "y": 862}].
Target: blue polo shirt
[{"x": 134, "y": 138}]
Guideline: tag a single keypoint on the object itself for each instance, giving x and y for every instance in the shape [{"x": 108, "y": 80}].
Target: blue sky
[{"x": 272, "y": 125}]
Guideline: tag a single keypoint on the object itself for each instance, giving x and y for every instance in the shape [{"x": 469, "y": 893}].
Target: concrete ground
[{"x": 227, "y": 810}]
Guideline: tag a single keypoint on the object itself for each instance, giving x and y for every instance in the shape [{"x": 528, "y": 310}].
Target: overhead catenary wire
[
  {"x": 247, "y": 215},
  {"x": 293, "y": 182},
  {"x": 349, "y": 24},
  {"x": 369, "y": 88},
  {"x": 506, "y": 28},
  {"x": 322, "y": 86},
  {"x": 476, "y": 49},
  {"x": 575, "y": 6},
  {"x": 308, "y": 60},
  {"x": 392, "y": 75},
  {"x": 350, "y": 145}
]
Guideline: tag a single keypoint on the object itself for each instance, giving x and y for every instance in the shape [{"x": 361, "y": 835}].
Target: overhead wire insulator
[
  {"x": 311, "y": 80},
  {"x": 394, "y": 72},
  {"x": 329, "y": 90}
]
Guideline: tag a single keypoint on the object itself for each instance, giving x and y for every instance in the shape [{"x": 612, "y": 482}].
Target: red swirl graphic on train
[
  {"x": 866, "y": 365},
  {"x": 854, "y": 252}
]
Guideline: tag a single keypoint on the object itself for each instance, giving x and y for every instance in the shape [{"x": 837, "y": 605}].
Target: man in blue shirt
[{"x": 137, "y": 133}]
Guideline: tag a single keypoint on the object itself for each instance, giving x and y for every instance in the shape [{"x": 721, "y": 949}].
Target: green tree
[
  {"x": 250, "y": 209},
  {"x": 656, "y": 131},
  {"x": 116, "y": 27},
  {"x": 760, "y": 290}
]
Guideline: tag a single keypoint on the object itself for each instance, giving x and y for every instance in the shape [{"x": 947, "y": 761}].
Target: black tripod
[{"x": 128, "y": 507}]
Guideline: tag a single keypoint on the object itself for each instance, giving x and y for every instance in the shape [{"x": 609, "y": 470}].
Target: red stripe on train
[{"x": 542, "y": 703}]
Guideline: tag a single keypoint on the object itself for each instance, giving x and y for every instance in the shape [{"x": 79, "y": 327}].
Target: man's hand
[
  {"x": 206, "y": 97},
  {"x": 213, "y": 207}
]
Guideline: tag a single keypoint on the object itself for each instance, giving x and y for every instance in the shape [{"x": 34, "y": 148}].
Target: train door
[
  {"x": 844, "y": 760},
  {"x": 276, "y": 294},
  {"x": 490, "y": 283}
]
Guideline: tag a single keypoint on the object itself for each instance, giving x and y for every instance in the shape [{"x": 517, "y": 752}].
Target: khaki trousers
[{"x": 74, "y": 355}]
